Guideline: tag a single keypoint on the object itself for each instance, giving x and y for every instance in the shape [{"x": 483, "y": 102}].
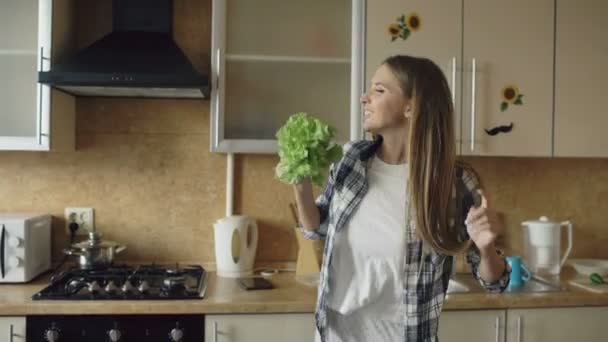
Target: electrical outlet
[{"x": 85, "y": 217}]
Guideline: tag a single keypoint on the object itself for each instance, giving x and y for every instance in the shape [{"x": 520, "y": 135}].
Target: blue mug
[{"x": 519, "y": 272}]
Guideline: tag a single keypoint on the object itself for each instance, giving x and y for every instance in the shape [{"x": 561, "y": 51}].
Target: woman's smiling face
[{"x": 384, "y": 105}]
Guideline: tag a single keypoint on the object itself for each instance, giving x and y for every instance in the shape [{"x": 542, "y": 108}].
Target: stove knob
[
  {"x": 128, "y": 287},
  {"x": 176, "y": 334},
  {"x": 111, "y": 288},
  {"x": 114, "y": 335},
  {"x": 51, "y": 334},
  {"x": 94, "y": 287},
  {"x": 143, "y": 287},
  {"x": 14, "y": 242},
  {"x": 14, "y": 262}
]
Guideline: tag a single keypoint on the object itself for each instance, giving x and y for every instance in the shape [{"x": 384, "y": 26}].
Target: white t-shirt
[{"x": 368, "y": 259}]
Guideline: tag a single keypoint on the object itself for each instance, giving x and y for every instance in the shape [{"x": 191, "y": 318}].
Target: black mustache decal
[{"x": 499, "y": 129}]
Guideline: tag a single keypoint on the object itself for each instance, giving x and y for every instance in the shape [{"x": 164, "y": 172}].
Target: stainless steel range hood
[{"x": 138, "y": 59}]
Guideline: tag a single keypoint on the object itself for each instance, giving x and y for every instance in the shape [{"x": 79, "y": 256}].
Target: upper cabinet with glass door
[
  {"x": 271, "y": 59},
  {"x": 25, "y": 49},
  {"x": 497, "y": 58},
  {"x": 422, "y": 28},
  {"x": 24, "y": 44},
  {"x": 508, "y": 78}
]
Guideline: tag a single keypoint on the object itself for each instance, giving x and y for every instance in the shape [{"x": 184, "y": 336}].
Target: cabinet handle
[
  {"x": 214, "y": 331},
  {"x": 218, "y": 64},
  {"x": 39, "y": 117},
  {"x": 454, "y": 82},
  {"x": 473, "y": 86},
  {"x": 518, "y": 328},
  {"x": 39, "y": 124},
  {"x": 10, "y": 333},
  {"x": 497, "y": 326},
  {"x": 218, "y": 96},
  {"x": 2, "y": 238}
]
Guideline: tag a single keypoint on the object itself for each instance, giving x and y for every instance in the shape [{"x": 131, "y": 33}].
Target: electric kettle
[{"x": 236, "y": 241}]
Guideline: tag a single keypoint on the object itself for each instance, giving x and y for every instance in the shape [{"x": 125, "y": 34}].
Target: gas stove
[{"x": 127, "y": 282}]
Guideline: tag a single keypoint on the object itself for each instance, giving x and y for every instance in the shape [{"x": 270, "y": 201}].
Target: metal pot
[{"x": 94, "y": 252}]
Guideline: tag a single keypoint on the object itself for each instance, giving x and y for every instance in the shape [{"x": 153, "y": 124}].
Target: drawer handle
[
  {"x": 497, "y": 329},
  {"x": 2, "y": 238},
  {"x": 518, "y": 328}
]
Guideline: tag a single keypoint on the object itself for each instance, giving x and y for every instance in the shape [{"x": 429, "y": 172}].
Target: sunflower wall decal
[
  {"x": 404, "y": 26},
  {"x": 510, "y": 95}
]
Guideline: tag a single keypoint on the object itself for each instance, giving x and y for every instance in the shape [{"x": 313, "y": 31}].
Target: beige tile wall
[{"x": 145, "y": 166}]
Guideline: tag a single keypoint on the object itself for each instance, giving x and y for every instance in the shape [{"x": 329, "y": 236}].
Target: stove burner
[
  {"x": 172, "y": 285},
  {"x": 173, "y": 282},
  {"x": 173, "y": 270},
  {"x": 128, "y": 282}
]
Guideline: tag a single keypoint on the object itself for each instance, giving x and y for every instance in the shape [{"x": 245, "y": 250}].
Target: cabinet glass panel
[
  {"x": 19, "y": 23},
  {"x": 18, "y": 67},
  {"x": 18, "y": 89},
  {"x": 317, "y": 28},
  {"x": 263, "y": 95},
  {"x": 286, "y": 57}
]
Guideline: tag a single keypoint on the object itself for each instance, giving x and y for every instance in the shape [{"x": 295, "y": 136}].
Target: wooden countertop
[{"x": 225, "y": 296}]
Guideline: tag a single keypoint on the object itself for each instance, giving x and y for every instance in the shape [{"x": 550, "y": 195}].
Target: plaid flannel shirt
[{"x": 426, "y": 273}]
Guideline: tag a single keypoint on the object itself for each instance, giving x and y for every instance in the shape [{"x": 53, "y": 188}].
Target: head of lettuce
[{"x": 305, "y": 149}]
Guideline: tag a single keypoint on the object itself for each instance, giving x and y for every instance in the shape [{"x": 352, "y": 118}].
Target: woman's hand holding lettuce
[{"x": 305, "y": 149}]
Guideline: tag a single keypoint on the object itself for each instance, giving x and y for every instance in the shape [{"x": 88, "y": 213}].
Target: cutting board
[
  {"x": 310, "y": 253},
  {"x": 585, "y": 283}
]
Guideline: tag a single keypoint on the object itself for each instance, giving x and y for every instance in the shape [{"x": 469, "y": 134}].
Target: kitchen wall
[{"x": 145, "y": 166}]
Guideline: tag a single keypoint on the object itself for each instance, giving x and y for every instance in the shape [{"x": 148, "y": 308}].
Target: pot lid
[
  {"x": 542, "y": 221},
  {"x": 95, "y": 241}
]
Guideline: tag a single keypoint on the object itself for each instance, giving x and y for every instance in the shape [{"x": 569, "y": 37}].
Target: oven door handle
[{"x": 2, "y": 243}]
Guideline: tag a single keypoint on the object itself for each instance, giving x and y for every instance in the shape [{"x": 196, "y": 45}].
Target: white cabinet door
[
  {"x": 25, "y": 48},
  {"x": 271, "y": 59},
  {"x": 557, "y": 324},
  {"x": 260, "y": 328},
  {"x": 581, "y": 71},
  {"x": 422, "y": 28},
  {"x": 12, "y": 329},
  {"x": 472, "y": 326},
  {"x": 24, "y": 101},
  {"x": 511, "y": 45}
]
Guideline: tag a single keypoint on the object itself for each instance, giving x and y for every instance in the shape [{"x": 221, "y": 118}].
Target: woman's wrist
[{"x": 489, "y": 251}]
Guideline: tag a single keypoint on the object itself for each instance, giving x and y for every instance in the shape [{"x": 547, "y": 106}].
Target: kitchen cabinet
[
  {"x": 472, "y": 326},
  {"x": 557, "y": 324},
  {"x": 32, "y": 117},
  {"x": 581, "y": 53},
  {"x": 12, "y": 329},
  {"x": 508, "y": 53},
  {"x": 294, "y": 327},
  {"x": 271, "y": 59},
  {"x": 497, "y": 58},
  {"x": 438, "y": 37}
]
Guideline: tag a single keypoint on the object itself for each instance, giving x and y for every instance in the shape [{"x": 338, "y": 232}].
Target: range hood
[{"x": 137, "y": 59}]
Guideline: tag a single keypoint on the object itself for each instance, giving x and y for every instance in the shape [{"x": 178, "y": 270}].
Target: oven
[
  {"x": 114, "y": 328},
  {"x": 120, "y": 283}
]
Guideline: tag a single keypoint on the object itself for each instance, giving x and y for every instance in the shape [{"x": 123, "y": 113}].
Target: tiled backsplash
[{"x": 145, "y": 166}]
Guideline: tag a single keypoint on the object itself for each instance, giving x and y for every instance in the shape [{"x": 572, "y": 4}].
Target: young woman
[{"x": 394, "y": 212}]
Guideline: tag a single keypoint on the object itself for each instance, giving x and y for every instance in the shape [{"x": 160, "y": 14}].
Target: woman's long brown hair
[{"x": 431, "y": 150}]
